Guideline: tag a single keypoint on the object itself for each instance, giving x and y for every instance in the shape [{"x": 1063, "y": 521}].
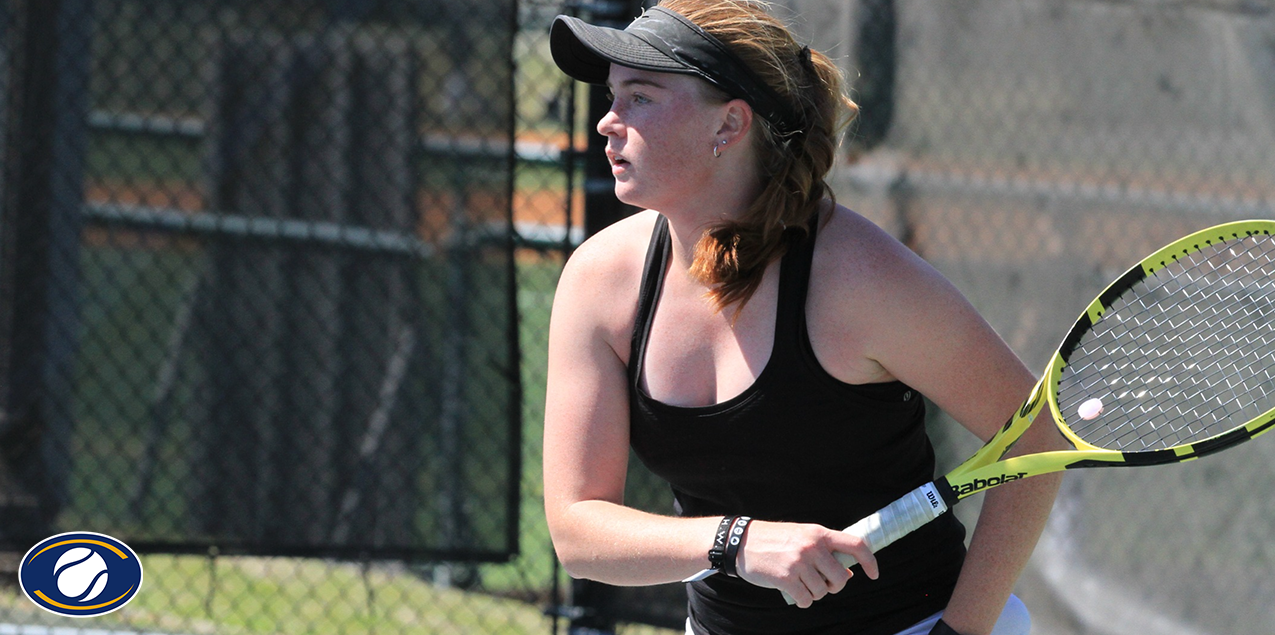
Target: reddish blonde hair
[{"x": 732, "y": 255}]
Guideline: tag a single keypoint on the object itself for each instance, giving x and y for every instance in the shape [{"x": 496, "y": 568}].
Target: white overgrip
[{"x": 894, "y": 521}]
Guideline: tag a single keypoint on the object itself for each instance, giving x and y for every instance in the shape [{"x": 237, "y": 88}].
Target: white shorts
[{"x": 1014, "y": 620}]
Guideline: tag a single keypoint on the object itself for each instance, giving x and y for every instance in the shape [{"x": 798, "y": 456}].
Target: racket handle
[{"x": 893, "y": 522}]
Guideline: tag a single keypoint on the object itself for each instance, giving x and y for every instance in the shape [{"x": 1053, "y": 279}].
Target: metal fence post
[
  {"x": 875, "y": 58},
  {"x": 601, "y": 207},
  {"x": 39, "y": 256}
]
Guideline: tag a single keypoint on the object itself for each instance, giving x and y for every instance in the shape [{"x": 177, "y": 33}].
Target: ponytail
[{"x": 731, "y": 257}]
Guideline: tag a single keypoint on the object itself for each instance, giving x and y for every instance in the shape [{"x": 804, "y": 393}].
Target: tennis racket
[{"x": 1175, "y": 360}]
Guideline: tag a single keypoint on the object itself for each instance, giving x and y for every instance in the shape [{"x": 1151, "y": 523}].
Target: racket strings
[
  {"x": 1223, "y": 359},
  {"x": 1184, "y": 355}
]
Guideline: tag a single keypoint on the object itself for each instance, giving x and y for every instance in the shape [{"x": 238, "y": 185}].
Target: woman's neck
[{"x": 725, "y": 199}]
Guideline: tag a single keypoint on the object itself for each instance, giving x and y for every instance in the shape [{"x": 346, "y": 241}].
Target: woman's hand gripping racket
[{"x": 1173, "y": 361}]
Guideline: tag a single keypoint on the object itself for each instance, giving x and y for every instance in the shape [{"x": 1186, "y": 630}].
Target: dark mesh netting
[{"x": 275, "y": 285}]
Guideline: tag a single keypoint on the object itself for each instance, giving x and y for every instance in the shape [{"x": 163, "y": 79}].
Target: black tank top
[{"x": 798, "y": 445}]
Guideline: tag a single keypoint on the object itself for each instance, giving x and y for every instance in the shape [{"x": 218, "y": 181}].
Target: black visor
[{"x": 666, "y": 42}]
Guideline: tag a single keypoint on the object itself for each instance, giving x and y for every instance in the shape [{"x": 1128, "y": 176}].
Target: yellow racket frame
[{"x": 985, "y": 469}]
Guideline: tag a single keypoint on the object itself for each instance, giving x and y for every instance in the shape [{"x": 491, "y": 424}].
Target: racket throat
[{"x": 944, "y": 490}]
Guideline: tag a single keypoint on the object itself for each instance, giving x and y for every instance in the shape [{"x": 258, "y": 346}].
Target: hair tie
[{"x": 804, "y": 56}]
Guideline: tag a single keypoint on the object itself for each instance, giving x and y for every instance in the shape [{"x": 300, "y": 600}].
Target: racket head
[{"x": 1176, "y": 359}]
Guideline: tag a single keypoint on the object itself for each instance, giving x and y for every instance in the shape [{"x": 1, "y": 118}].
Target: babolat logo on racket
[
  {"x": 980, "y": 484},
  {"x": 80, "y": 574}
]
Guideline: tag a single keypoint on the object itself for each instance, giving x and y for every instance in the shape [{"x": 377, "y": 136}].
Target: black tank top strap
[
  {"x": 803, "y": 255},
  {"x": 657, "y": 255},
  {"x": 794, "y": 284}
]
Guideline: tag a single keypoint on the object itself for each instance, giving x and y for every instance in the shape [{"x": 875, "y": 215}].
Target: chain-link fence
[
  {"x": 259, "y": 301},
  {"x": 1036, "y": 150},
  {"x": 275, "y": 280}
]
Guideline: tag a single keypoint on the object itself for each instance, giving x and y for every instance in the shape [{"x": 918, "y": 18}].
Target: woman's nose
[{"x": 609, "y": 124}]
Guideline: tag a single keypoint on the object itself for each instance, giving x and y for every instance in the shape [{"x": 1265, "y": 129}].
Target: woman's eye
[{"x": 636, "y": 98}]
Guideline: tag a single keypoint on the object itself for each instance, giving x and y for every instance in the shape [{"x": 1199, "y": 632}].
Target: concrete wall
[{"x": 1081, "y": 86}]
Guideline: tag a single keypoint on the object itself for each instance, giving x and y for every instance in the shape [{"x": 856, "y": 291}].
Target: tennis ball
[
  {"x": 80, "y": 574},
  {"x": 1090, "y": 409}
]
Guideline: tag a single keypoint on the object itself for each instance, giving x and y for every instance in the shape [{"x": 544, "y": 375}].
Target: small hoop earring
[{"x": 719, "y": 144}]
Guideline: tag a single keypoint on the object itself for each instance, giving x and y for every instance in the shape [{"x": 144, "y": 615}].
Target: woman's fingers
[
  {"x": 799, "y": 593},
  {"x": 856, "y": 547},
  {"x": 800, "y": 559}
]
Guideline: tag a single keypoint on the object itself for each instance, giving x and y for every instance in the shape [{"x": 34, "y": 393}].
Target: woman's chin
[{"x": 628, "y": 194}]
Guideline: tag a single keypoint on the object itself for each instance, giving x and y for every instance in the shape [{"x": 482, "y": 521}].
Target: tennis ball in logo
[{"x": 80, "y": 574}]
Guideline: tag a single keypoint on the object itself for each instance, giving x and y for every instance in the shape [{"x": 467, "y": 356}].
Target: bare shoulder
[
  {"x": 599, "y": 284},
  {"x": 867, "y": 293},
  {"x": 612, "y": 259},
  {"x": 855, "y": 256},
  {"x": 884, "y": 313}
]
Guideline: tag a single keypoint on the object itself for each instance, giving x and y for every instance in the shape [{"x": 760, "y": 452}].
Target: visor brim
[{"x": 585, "y": 52}]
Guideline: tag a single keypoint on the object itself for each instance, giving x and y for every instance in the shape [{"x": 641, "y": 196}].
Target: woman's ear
[{"x": 737, "y": 120}]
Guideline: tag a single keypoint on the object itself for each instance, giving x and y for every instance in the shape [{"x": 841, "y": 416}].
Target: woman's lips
[{"x": 618, "y": 163}]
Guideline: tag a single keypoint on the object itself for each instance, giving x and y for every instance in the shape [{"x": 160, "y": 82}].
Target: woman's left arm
[
  {"x": 1008, "y": 527},
  {"x": 919, "y": 329}
]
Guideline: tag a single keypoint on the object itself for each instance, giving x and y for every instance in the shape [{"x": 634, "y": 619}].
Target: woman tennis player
[{"x": 764, "y": 350}]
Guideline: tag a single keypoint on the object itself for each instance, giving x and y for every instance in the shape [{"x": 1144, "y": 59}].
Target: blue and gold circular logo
[{"x": 80, "y": 574}]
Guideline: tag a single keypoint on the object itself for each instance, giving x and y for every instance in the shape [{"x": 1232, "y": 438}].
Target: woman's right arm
[
  {"x": 586, "y": 441},
  {"x": 586, "y": 450}
]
